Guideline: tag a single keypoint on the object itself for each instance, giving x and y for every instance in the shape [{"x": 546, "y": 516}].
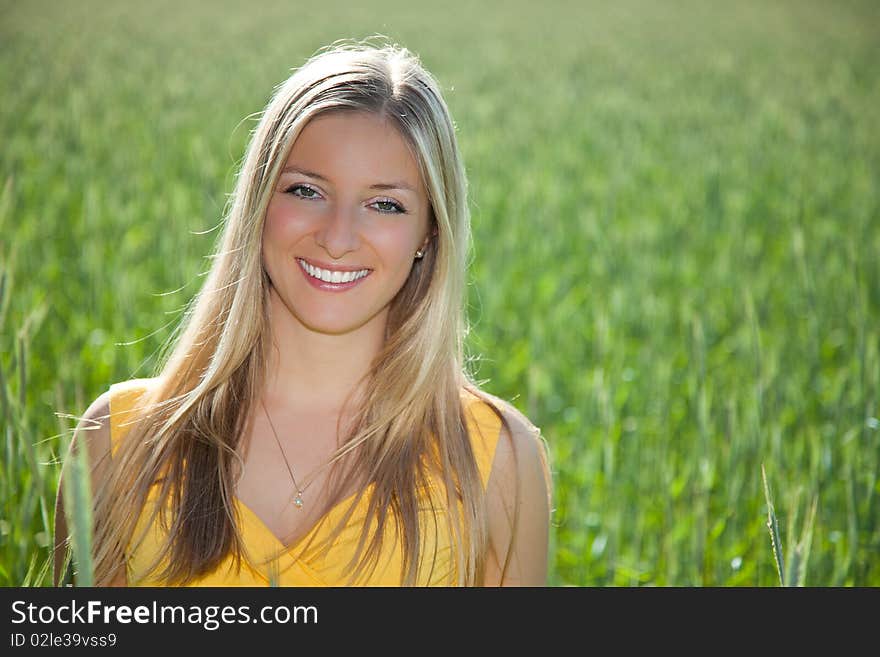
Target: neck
[{"x": 317, "y": 371}]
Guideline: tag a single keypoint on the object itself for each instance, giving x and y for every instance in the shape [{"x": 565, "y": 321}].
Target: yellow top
[{"x": 317, "y": 567}]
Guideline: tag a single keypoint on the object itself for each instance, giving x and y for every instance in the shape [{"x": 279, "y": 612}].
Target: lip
[{"x": 331, "y": 287}]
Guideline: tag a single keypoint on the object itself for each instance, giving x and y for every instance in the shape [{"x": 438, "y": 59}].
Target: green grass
[{"x": 676, "y": 270}]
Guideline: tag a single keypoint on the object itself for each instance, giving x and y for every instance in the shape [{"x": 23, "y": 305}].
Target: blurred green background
[{"x": 675, "y": 266}]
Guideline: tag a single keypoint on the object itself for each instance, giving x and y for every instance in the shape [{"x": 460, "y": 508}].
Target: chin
[{"x": 333, "y": 325}]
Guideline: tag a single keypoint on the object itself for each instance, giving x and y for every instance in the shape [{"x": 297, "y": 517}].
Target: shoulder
[
  {"x": 130, "y": 391},
  {"x": 92, "y": 436},
  {"x": 516, "y": 432},
  {"x": 521, "y": 455},
  {"x": 518, "y": 500},
  {"x": 93, "y": 430},
  {"x": 98, "y": 423},
  {"x": 517, "y": 447},
  {"x": 125, "y": 398}
]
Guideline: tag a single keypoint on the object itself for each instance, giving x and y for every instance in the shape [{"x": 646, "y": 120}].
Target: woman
[{"x": 313, "y": 423}]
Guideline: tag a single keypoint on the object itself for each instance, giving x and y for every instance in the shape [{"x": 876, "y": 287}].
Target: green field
[{"x": 676, "y": 263}]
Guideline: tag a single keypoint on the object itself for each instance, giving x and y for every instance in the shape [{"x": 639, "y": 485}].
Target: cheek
[
  {"x": 401, "y": 238},
  {"x": 399, "y": 245},
  {"x": 283, "y": 224}
]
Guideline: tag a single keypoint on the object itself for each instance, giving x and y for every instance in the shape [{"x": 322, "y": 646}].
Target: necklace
[{"x": 298, "y": 498}]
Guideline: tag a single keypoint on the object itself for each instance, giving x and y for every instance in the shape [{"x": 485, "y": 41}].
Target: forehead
[{"x": 354, "y": 143}]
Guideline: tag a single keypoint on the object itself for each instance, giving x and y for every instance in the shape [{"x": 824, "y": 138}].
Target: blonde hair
[{"x": 411, "y": 421}]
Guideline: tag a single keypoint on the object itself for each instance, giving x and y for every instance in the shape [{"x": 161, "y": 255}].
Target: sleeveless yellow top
[{"x": 267, "y": 561}]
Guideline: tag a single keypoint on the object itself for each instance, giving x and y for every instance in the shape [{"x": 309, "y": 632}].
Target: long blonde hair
[{"x": 411, "y": 421}]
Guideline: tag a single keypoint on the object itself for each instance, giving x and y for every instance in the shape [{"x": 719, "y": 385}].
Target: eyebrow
[{"x": 397, "y": 184}]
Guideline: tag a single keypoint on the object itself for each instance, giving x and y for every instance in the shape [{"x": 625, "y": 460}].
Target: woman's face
[{"x": 344, "y": 223}]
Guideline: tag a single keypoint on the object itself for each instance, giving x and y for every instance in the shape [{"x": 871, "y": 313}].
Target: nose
[{"x": 338, "y": 233}]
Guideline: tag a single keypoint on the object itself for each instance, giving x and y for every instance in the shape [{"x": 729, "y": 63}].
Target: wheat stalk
[{"x": 773, "y": 526}]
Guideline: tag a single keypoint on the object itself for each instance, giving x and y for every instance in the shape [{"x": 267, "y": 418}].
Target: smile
[{"x": 332, "y": 276}]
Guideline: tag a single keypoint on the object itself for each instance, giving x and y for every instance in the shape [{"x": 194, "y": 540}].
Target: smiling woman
[
  {"x": 344, "y": 226},
  {"x": 314, "y": 423}
]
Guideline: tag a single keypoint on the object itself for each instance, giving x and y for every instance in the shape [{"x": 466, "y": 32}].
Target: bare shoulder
[
  {"x": 518, "y": 501},
  {"x": 94, "y": 428},
  {"x": 521, "y": 450},
  {"x": 519, "y": 438},
  {"x": 92, "y": 434}
]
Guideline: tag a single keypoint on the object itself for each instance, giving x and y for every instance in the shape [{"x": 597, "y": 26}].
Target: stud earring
[{"x": 419, "y": 254}]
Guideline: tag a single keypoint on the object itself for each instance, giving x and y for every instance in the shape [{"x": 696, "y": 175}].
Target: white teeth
[{"x": 333, "y": 276}]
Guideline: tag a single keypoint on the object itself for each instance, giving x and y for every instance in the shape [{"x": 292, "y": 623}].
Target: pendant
[{"x": 298, "y": 500}]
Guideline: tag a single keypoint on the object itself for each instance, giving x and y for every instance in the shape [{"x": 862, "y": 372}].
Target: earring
[{"x": 419, "y": 254}]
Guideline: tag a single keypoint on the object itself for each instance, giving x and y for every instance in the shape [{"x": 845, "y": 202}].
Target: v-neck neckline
[{"x": 288, "y": 548}]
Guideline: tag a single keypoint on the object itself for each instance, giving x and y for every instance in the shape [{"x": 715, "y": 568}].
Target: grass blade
[
  {"x": 773, "y": 526},
  {"x": 803, "y": 547},
  {"x": 78, "y": 509}
]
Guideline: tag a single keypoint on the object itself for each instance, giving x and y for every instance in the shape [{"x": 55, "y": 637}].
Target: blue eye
[
  {"x": 387, "y": 206},
  {"x": 302, "y": 191}
]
